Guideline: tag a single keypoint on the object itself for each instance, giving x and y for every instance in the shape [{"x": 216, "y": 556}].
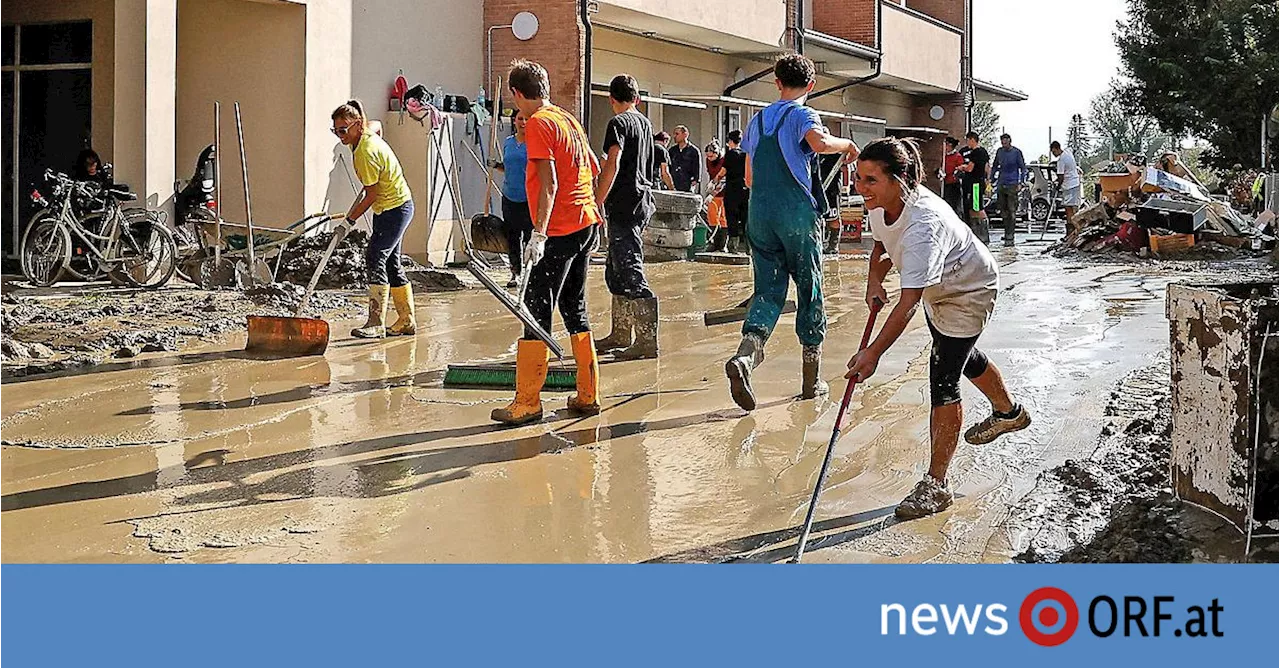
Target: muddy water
[{"x": 363, "y": 456}]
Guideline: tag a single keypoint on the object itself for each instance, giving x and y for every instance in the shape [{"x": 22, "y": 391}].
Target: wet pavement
[{"x": 364, "y": 456}]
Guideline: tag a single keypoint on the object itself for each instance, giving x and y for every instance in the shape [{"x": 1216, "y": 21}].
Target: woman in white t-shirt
[{"x": 944, "y": 266}]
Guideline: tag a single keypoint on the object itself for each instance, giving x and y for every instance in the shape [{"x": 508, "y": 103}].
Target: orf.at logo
[{"x": 1048, "y": 616}]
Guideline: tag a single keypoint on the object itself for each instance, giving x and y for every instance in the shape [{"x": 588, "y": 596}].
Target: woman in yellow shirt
[{"x": 386, "y": 192}]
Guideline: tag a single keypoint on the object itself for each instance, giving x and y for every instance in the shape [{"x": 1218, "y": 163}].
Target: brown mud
[{"x": 362, "y": 455}]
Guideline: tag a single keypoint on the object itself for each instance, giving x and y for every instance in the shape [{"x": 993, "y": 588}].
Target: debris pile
[
  {"x": 80, "y": 329},
  {"x": 1162, "y": 211},
  {"x": 346, "y": 268}
]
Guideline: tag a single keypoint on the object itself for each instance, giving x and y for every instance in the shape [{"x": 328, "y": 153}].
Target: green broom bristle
[{"x": 503, "y": 376}]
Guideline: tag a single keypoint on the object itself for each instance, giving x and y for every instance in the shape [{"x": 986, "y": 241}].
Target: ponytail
[{"x": 352, "y": 110}]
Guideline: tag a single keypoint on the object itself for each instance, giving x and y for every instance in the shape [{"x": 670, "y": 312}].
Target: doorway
[{"x": 47, "y": 109}]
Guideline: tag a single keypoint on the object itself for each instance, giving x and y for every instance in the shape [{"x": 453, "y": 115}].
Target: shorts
[
  {"x": 1071, "y": 196},
  {"x": 950, "y": 358}
]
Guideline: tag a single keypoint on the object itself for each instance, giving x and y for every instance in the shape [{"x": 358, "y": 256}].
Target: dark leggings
[
  {"x": 382, "y": 259},
  {"x": 735, "y": 212},
  {"x": 951, "y": 357},
  {"x": 519, "y": 228},
  {"x": 561, "y": 278}
]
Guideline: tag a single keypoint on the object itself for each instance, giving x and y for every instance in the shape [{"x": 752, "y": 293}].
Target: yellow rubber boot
[
  {"x": 531, "y": 373},
  {"x": 406, "y": 323},
  {"x": 586, "y": 401},
  {"x": 373, "y": 327}
]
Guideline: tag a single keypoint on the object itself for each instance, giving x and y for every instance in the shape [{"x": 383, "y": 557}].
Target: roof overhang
[
  {"x": 839, "y": 57},
  {"x": 985, "y": 91},
  {"x": 914, "y": 130},
  {"x": 660, "y": 27},
  {"x": 761, "y": 104}
]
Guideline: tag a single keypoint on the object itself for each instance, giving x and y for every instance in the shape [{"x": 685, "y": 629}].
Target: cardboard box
[
  {"x": 1170, "y": 244},
  {"x": 1119, "y": 182}
]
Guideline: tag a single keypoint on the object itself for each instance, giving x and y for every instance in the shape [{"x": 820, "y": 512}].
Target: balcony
[
  {"x": 921, "y": 54},
  {"x": 728, "y": 26}
]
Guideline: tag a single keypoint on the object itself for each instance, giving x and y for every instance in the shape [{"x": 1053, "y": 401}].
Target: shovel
[{"x": 296, "y": 336}]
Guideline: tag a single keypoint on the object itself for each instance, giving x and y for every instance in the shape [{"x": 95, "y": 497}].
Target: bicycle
[{"x": 133, "y": 247}]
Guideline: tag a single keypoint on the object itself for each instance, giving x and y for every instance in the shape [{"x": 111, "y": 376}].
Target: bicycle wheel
[
  {"x": 149, "y": 253},
  {"x": 46, "y": 247}
]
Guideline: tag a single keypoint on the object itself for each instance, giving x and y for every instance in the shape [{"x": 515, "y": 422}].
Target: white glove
[{"x": 535, "y": 249}]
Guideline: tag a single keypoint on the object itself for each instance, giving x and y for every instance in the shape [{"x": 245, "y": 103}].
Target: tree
[
  {"x": 1122, "y": 130},
  {"x": 985, "y": 122},
  {"x": 1203, "y": 68}
]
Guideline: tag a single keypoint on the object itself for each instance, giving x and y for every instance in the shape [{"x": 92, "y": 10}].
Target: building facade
[{"x": 137, "y": 79}]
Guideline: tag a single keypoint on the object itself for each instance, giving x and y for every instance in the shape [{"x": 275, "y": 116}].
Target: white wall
[{"x": 435, "y": 42}]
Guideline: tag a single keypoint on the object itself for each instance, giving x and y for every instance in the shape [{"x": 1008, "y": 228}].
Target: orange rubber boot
[
  {"x": 531, "y": 373},
  {"x": 585, "y": 402}
]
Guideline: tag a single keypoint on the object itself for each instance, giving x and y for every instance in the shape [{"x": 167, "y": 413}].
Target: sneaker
[
  {"x": 930, "y": 496},
  {"x": 995, "y": 426}
]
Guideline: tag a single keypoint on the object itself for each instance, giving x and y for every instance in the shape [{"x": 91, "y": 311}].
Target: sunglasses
[{"x": 340, "y": 131}]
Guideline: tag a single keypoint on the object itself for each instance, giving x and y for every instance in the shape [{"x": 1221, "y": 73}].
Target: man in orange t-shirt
[{"x": 559, "y": 182}]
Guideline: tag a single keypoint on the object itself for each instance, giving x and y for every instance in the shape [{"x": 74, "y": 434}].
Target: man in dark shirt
[
  {"x": 625, "y": 187},
  {"x": 686, "y": 161},
  {"x": 974, "y": 180},
  {"x": 661, "y": 172},
  {"x": 736, "y": 194}
]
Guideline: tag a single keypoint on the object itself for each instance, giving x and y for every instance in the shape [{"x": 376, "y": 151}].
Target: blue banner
[{"x": 671, "y": 615}]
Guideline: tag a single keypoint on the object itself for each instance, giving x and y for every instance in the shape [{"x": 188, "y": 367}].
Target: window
[
  {"x": 56, "y": 43},
  {"x": 10, "y": 51}
]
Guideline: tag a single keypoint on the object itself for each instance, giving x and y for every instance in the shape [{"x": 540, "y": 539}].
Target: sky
[{"x": 1059, "y": 52}]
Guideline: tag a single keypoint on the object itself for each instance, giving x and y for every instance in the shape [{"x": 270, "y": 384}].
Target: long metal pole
[
  {"x": 835, "y": 436},
  {"x": 248, "y": 207},
  {"x": 217, "y": 183}
]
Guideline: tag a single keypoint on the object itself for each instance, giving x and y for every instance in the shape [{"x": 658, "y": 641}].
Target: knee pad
[{"x": 976, "y": 365}]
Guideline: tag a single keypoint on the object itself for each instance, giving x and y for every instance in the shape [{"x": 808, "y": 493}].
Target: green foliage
[
  {"x": 986, "y": 122},
  {"x": 1122, "y": 130},
  {"x": 1203, "y": 68}
]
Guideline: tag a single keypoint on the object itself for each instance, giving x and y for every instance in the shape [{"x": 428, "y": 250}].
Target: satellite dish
[
  {"x": 524, "y": 26},
  {"x": 739, "y": 74},
  {"x": 847, "y": 96},
  {"x": 936, "y": 112}
]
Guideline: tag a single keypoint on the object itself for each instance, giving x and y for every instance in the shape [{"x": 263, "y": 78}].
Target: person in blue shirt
[
  {"x": 515, "y": 202},
  {"x": 784, "y": 227},
  {"x": 1009, "y": 171}
]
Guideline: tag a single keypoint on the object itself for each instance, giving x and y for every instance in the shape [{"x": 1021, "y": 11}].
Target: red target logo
[{"x": 1048, "y": 616}]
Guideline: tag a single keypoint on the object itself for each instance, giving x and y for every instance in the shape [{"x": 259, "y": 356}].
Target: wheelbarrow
[{"x": 201, "y": 266}]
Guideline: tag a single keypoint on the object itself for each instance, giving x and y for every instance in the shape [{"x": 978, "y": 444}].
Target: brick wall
[
  {"x": 854, "y": 20},
  {"x": 947, "y": 11},
  {"x": 559, "y": 46},
  {"x": 953, "y": 121}
]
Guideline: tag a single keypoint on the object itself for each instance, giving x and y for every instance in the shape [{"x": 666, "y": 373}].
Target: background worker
[
  {"x": 515, "y": 201},
  {"x": 686, "y": 161},
  {"x": 783, "y": 227},
  {"x": 733, "y": 172},
  {"x": 625, "y": 189},
  {"x": 974, "y": 181},
  {"x": 942, "y": 264},
  {"x": 1068, "y": 184},
  {"x": 1009, "y": 171},
  {"x": 559, "y": 185},
  {"x": 661, "y": 170},
  {"x": 716, "y": 220},
  {"x": 387, "y": 193},
  {"x": 951, "y": 190}
]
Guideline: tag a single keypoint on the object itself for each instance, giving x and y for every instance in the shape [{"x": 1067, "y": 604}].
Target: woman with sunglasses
[{"x": 387, "y": 193}]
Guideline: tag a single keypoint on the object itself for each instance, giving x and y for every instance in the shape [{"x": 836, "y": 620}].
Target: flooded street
[{"x": 363, "y": 456}]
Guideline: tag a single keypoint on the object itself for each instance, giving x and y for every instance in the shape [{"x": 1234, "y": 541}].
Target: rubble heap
[
  {"x": 1162, "y": 211},
  {"x": 346, "y": 268}
]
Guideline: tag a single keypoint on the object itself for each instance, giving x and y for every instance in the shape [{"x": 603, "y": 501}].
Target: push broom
[{"x": 835, "y": 436}]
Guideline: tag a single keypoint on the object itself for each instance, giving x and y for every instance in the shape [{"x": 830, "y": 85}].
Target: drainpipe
[
  {"x": 860, "y": 80},
  {"x": 586, "y": 63},
  {"x": 966, "y": 67}
]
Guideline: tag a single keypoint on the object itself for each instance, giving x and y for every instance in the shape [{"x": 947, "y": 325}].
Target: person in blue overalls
[{"x": 784, "y": 228}]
